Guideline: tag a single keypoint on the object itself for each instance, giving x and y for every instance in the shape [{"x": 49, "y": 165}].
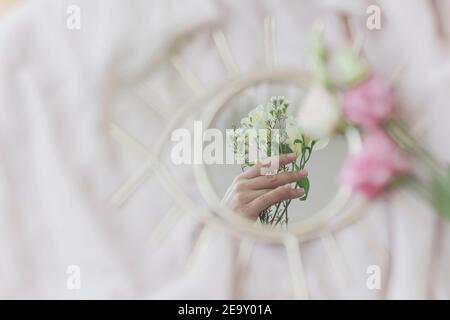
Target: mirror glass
[{"x": 323, "y": 167}]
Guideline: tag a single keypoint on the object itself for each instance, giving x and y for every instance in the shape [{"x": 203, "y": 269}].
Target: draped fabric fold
[{"x": 60, "y": 89}]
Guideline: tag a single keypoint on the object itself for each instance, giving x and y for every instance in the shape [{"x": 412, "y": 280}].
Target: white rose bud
[{"x": 319, "y": 115}]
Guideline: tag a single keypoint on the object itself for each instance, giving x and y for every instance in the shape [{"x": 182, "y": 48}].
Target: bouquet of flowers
[
  {"x": 268, "y": 131},
  {"x": 389, "y": 150}
]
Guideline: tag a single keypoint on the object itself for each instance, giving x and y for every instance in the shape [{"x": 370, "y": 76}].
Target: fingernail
[
  {"x": 299, "y": 192},
  {"x": 287, "y": 186},
  {"x": 303, "y": 173},
  {"x": 299, "y": 174}
]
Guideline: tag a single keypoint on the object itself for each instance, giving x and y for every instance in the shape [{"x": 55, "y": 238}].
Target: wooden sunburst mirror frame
[
  {"x": 336, "y": 215},
  {"x": 312, "y": 227}
]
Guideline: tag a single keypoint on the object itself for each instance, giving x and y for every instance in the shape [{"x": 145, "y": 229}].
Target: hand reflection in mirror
[{"x": 252, "y": 191}]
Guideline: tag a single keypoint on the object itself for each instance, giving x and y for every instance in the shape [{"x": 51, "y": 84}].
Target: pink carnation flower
[
  {"x": 369, "y": 103},
  {"x": 377, "y": 164}
]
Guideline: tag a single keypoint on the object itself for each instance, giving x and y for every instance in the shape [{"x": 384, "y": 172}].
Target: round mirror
[{"x": 325, "y": 199}]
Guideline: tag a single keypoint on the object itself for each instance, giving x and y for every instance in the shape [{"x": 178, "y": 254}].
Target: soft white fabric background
[{"x": 59, "y": 166}]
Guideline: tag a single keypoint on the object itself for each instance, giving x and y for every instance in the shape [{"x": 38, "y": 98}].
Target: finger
[
  {"x": 268, "y": 164},
  {"x": 279, "y": 194},
  {"x": 252, "y": 195},
  {"x": 276, "y": 180}
]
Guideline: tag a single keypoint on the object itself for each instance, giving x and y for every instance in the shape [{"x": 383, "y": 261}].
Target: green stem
[
  {"x": 398, "y": 131},
  {"x": 276, "y": 212}
]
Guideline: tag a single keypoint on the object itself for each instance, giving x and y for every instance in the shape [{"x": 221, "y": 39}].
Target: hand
[{"x": 251, "y": 192}]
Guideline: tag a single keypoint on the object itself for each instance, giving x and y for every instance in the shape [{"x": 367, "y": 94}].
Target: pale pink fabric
[{"x": 58, "y": 165}]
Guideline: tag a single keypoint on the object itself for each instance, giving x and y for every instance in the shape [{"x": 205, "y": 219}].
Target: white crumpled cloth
[{"x": 59, "y": 166}]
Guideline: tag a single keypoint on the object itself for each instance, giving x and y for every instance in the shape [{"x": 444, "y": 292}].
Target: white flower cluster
[{"x": 269, "y": 130}]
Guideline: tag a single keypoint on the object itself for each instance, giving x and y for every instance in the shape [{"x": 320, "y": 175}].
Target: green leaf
[
  {"x": 284, "y": 148},
  {"x": 304, "y": 183},
  {"x": 318, "y": 45},
  {"x": 320, "y": 74},
  {"x": 352, "y": 69},
  {"x": 440, "y": 190}
]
